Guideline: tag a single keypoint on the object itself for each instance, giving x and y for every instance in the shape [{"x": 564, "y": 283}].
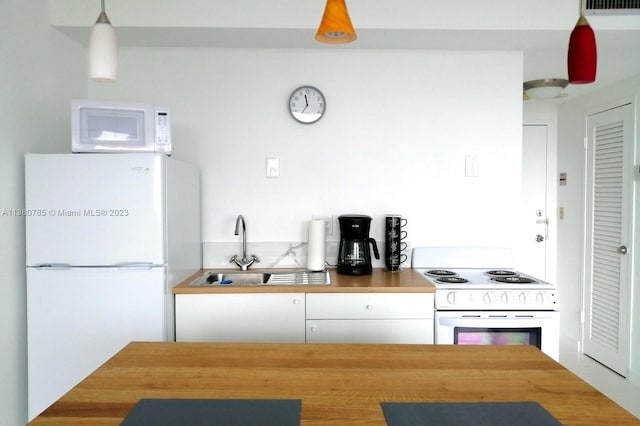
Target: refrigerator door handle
[
  {"x": 134, "y": 265},
  {"x": 124, "y": 265},
  {"x": 51, "y": 266}
]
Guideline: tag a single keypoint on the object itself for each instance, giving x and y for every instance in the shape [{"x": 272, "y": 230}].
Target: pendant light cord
[
  {"x": 582, "y": 20},
  {"x": 102, "y": 18}
]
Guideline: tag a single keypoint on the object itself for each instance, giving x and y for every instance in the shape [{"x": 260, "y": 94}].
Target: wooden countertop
[
  {"x": 380, "y": 281},
  {"x": 339, "y": 384}
]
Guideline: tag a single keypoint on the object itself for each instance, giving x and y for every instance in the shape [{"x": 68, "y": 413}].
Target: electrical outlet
[
  {"x": 329, "y": 223},
  {"x": 471, "y": 166}
]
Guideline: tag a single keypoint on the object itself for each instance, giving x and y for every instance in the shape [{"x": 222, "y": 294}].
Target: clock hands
[{"x": 306, "y": 101}]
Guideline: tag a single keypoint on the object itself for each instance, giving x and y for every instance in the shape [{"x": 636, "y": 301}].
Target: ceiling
[{"x": 542, "y": 37}]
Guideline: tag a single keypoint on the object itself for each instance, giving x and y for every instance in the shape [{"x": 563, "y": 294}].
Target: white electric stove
[
  {"x": 481, "y": 299},
  {"x": 490, "y": 289}
]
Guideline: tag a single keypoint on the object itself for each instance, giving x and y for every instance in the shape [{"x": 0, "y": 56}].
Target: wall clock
[{"x": 307, "y": 104}]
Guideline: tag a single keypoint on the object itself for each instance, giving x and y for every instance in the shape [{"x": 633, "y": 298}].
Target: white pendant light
[{"x": 103, "y": 50}]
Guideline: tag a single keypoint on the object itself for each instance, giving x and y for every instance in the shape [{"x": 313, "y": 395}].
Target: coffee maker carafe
[{"x": 354, "y": 256}]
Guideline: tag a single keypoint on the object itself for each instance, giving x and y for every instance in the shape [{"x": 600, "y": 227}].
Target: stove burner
[
  {"x": 452, "y": 280},
  {"x": 440, "y": 273},
  {"x": 514, "y": 280},
  {"x": 501, "y": 273}
]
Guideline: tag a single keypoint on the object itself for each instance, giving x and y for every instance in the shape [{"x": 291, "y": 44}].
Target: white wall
[
  {"x": 571, "y": 157},
  {"x": 397, "y": 129},
  {"x": 41, "y": 70},
  {"x": 394, "y": 138}
]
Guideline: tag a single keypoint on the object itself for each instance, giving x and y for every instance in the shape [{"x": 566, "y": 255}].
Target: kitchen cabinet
[
  {"x": 312, "y": 318},
  {"x": 235, "y": 317},
  {"x": 370, "y": 318}
]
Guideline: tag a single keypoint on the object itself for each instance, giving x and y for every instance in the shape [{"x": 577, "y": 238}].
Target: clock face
[{"x": 307, "y": 104}]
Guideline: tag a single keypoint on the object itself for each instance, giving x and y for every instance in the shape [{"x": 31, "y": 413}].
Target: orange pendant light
[
  {"x": 582, "y": 58},
  {"x": 335, "y": 27}
]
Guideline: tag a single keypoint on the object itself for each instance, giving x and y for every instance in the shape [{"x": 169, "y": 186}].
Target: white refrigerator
[{"x": 107, "y": 237}]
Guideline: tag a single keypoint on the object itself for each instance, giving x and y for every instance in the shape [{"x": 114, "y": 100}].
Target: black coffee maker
[{"x": 354, "y": 257}]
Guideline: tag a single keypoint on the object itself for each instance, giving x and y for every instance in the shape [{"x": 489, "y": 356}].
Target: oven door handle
[{"x": 481, "y": 321}]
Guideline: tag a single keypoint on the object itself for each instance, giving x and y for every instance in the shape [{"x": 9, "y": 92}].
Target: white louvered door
[{"x": 610, "y": 178}]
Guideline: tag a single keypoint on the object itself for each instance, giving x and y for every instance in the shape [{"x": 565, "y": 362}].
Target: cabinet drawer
[
  {"x": 369, "y": 305},
  {"x": 397, "y": 331}
]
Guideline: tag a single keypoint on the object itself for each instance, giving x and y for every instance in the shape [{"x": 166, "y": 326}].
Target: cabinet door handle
[
  {"x": 369, "y": 307},
  {"x": 313, "y": 329},
  {"x": 296, "y": 301}
]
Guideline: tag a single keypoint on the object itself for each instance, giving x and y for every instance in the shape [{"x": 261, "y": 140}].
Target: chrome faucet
[{"x": 243, "y": 263}]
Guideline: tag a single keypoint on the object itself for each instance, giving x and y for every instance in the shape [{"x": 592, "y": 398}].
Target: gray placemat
[
  {"x": 467, "y": 414},
  {"x": 215, "y": 412}
]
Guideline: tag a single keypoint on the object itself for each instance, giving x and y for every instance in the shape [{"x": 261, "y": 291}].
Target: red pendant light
[{"x": 582, "y": 58}]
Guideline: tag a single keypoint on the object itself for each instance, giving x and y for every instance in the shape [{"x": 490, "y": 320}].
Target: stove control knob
[
  {"x": 522, "y": 298},
  {"x": 451, "y": 297},
  {"x": 540, "y": 298},
  {"x": 486, "y": 298},
  {"x": 505, "y": 298}
]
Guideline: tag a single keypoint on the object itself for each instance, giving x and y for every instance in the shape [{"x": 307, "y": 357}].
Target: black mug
[{"x": 394, "y": 246}]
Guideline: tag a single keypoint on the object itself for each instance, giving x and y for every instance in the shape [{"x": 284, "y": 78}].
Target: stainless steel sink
[
  {"x": 263, "y": 278},
  {"x": 240, "y": 277}
]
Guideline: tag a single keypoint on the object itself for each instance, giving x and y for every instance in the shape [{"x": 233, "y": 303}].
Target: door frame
[
  {"x": 633, "y": 239},
  {"x": 550, "y": 122},
  {"x": 529, "y": 218}
]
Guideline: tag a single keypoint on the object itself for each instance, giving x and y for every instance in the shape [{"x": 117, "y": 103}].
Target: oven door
[{"x": 538, "y": 328}]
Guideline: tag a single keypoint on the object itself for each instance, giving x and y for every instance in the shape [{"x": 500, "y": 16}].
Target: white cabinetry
[
  {"x": 370, "y": 318},
  {"x": 245, "y": 317}
]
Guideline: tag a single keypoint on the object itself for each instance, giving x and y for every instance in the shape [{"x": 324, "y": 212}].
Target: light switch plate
[
  {"x": 471, "y": 166},
  {"x": 272, "y": 167}
]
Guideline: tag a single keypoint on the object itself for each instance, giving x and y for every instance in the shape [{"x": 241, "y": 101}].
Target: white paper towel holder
[{"x": 316, "y": 246}]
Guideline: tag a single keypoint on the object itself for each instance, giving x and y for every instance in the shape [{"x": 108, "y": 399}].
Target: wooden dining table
[{"x": 338, "y": 384}]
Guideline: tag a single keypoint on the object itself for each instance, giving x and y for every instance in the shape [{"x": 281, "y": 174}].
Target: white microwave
[{"x": 101, "y": 126}]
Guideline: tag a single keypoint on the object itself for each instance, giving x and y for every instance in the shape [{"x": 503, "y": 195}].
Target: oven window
[{"x": 497, "y": 336}]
